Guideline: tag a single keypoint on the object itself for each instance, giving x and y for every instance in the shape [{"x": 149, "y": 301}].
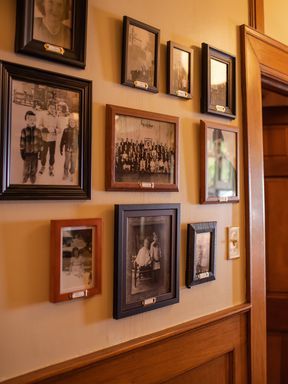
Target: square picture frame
[
  {"x": 45, "y": 146},
  {"x": 218, "y": 82},
  {"x": 140, "y": 55},
  {"x": 75, "y": 259},
  {"x": 146, "y": 257},
  {"x": 179, "y": 70},
  {"x": 39, "y": 33},
  {"x": 219, "y": 172},
  {"x": 200, "y": 261},
  {"x": 141, "y": 150}
]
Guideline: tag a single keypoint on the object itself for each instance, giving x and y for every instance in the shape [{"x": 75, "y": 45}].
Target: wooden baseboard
[{"x": 215, "y": 345}]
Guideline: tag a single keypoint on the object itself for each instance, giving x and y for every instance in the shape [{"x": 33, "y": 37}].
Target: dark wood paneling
[
  {"x": 212, "y": 349},
  {"x": 274, "y": 345}
]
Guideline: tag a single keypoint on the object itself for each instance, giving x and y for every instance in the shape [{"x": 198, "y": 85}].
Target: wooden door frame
[
  {"x": 262, "y": 57},
  {"x": 256, "y": 14}
]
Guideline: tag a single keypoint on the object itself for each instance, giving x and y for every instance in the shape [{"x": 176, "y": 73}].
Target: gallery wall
[
  {"x": 35, "y": 333},
  {"x": 275, "y": 19}
]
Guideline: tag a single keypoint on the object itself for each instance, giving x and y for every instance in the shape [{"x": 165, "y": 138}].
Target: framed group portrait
[
  {"x": 146, "y": 257},
  {"x": 140, "y": 55},
  {"x": 179, "y": 70},
  {"x": 219, "y": 174},
  {"x": 218, "y": 82},
  {"x": 200, "y": 261},
  {"x": 45, "y": 146},
  {"x": 53, "y": 30},
  {"x": 141, "y": 150},
  {"x": 75, "y": 259}
]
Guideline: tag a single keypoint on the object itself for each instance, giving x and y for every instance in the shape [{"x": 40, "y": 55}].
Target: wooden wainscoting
[{"x": 209, "y": 350}]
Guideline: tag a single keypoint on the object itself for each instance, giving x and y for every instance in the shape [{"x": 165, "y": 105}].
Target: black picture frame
[
  {"x": 218, "y": 98},
  {"x": 25, "y": 43},
  {"x": 134, "y": 73},
  {"x": 179, "y": 78},
  {"x": 149, "y": 280},
  {"x": 198, "y": 234},
  {"x": 18, "y": 85}
]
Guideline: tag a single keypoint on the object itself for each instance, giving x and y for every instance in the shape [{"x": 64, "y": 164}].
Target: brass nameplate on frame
[
  {"x": 203, "y": 275},
  {"x": 149, "y": 301},
  {"x": 141, "y": 84},
  {"x": 146, "y": 185},
  {"x": 54, "y": 48},
  {"x": 78, "y": 295},
  {"x": 182, "y": 94},
  {"x": 220, "y": 108},
  {"x": 224, "y": 199}
]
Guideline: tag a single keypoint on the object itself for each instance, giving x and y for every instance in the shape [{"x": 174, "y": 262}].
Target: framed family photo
[
  {"x": 179, "y": 73},
  {"x": 141, "y": 150},
  {"x": 218, "y": 82},
  {"x": 219, "y": 147},
  {"x": 140, "y": 55},
  {"x": 53, "y": 30},
  {"x": 45, "y": 143},
  {"x": 75, "y": 259},
  {"x": 146, "y": 257},
  {"x": 200, "y": 262}
]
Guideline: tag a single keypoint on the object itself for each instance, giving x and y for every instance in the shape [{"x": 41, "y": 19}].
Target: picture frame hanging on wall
[
  {"x": 146, "y": 257},
  {"x": 141, "y": 150},
  {"x": 140, "y": 55},
  {"x": 219, "y": 173},
  {"x": 200, "y": 261},
  {"x": 218, "y": 82},
  {"x": 45, "y": 125},
  {"x": 179, "y": 70},
  {"x": 75, "y": 258},
  {"x": 52, "y": 30}
]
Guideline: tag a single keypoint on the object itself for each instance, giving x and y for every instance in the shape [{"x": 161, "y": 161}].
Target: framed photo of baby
[
  {"x": 46, "y": 130},
  {"x": 52, "y": 29},
  {"x": 146, "y": 257},
  {"x": 75, "y": 262}
]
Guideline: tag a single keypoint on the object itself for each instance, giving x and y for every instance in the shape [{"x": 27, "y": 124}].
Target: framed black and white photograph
[
  {"x": 200, "y": 262},
  {"x": 141, "y": 150},
  {"x": 140, "y": 55},
  {"x": 146, "y": 257},
  {"x": 218, "y": 82},
  {"x": 179, "y": 70},
  {"x": 46, "y": 135},
  {"x": 53, "y": 30},
  {"x": 219, "y": 163},
  {"x": 75, "y": 262}
]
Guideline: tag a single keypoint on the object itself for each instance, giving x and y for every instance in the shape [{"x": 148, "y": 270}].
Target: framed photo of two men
[
  {"x": 53, "y": 30},
  {"x": 45, "y": 145}
]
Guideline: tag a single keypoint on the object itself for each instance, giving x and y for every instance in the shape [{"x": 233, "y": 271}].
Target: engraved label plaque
[
  {"x": 223, "y": 199},
  {"x": 151, "y": 300},
  {"x": 54, "y": 48},
  {"x": 203, "y": 275},
  {"x": 140, "y": 84},
  {"x": 182, "y": 94},
  {"x": 146, "y": 185},
  {"x": 77, "y": 295},
  {"x": 220, "y": 108}
]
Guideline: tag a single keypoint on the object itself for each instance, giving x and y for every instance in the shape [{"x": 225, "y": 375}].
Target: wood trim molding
[
  {"x": 261, "y": 56},
  {"x": 76, "y": 365},
  {"x": 256, "y": 14}
]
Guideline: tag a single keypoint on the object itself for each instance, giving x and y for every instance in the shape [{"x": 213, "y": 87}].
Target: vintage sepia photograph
[
  {"x": 141, "y": 149},
  {"x": 146, "y": 264},
  {"x": 233, "y": 242},
  {"x": 219, "y": 83},
  {"x": 140, "y": 55},
  {"x": 200, "y": 262}
]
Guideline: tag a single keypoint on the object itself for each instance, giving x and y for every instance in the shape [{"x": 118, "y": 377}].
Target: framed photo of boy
[
  {"x": 179, "y": 73},
  {"x": 200, "y": 262},
  {"x": 140, "y": 55},
  {"x": 141, "y": 150},
  {"x": 53, "y": 30},
  {"x": 46, "y": 135},
  {"x": 146, "y": 252},
  {"x": 75, "y": 259},
  {"x": 219, "y": 174},
  {"x": 218, "y": 82}
]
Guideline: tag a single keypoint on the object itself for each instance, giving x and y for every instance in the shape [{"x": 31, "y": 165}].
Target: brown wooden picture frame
[
  {"x": 172, "y": 89},
  {"x": 211, "y": 102},
  {"x": 130, "y": 173},
  {"x": 67, "y": 237},
  {"x": 223, "y": 164}
]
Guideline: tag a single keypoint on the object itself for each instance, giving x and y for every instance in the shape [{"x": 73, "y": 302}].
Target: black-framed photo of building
[
  {"x": 219, "y": 176},
  {"x": 140, "y": 55},
  {"x": 200, "y": 261},
  {"x": 179, "y": 70},
  {"x": 46, "y": 135},
  {"x": 53, "y": 30},
  {"x": 218, "y": 82},
  {"x": 146, "y": 257},
  {"x": 141, "y": 150}
]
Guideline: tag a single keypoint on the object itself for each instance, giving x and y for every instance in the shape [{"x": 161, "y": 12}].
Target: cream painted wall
[
  {"x": 35, "y": 333},
  {"x": 275, "y": 19}
]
